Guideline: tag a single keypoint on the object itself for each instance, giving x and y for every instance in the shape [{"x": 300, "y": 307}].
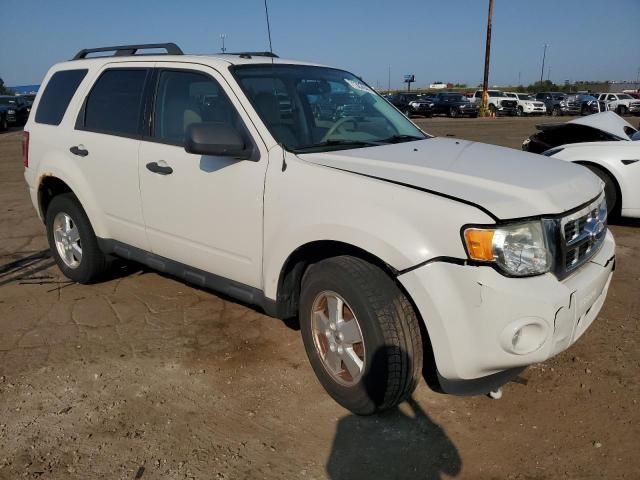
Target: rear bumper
[{"x": 472, "y": 313}]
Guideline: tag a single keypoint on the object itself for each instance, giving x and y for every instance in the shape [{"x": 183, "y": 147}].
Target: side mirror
[{"x": 216, "y": 139}]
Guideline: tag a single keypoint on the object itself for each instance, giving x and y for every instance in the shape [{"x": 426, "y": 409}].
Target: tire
[
  {"x": 622, "y": 110},
  {"x": 453, "y": 112},
  {"x": 556, "y": 112},
  {"x": 407, "y": 112},
  {"x": 520, "y": 112},
  {"x": 4, "y": 125},
  {"x": 611, "y": 192},
  {"x": 391, "y": 346},
  {"x": 93, "y": 263}
]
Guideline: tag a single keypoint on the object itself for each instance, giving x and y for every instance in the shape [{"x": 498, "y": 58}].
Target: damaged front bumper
[{"x": 482, "y": 323}]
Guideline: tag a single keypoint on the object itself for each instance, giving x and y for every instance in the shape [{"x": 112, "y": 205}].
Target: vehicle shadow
[
  {"x": 26, "y": 268},
  {"x": 625, "y": 222},
  {"x": 392, "y": 445}
]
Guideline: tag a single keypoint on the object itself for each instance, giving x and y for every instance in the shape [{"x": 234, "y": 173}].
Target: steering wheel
[{"x": 338, "y": 125}]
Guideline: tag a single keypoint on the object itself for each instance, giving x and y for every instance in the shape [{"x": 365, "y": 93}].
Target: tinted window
[
  {"x": 184, "y": 98},
  {"x": 57, "y": 95},
  {"x": 115, "y": 102}
]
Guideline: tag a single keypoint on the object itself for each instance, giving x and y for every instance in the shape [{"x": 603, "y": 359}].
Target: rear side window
[
  {"x": 57, "y": 95},
  {"x": 115, "y": 103}
]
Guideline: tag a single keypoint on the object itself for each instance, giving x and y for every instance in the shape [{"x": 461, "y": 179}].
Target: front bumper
[
  {"x": 471, "y": 313},
  {"x": 532, "y": 109}
]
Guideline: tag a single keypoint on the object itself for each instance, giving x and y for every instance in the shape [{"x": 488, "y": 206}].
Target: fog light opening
[{"x": 527, "y": 338}]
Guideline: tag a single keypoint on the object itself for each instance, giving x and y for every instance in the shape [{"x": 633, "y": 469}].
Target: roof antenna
[{"x": 266, "y": 12}]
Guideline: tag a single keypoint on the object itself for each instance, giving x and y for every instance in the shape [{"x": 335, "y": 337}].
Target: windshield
[
  {"x": 525, "y": 97},
  {"x": 496, "y": 93},
  {"x": 326, "y": 109},
  {"x": 624, "y": 96},
  {"x": 454, "y": 98},
  {"x": 7, "y": 101}
]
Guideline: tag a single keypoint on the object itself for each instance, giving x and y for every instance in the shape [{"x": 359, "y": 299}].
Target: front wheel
[
  {"x": 519, "y": 112},
  {"x": 73, "y": 243},
  {"x": 453, "y": 112},
  {"x": 556, "y": 112},
  {"x": 4, "y": 125},
  {"x": 360, "y": 333},
  {"x": 622, "y": 110}
]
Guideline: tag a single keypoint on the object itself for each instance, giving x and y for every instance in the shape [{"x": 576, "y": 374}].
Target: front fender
[{"x": 401, "y": 226}]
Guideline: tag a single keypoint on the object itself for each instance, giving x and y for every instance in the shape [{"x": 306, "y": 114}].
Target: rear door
[
  {"x": 105, "y": 146},
  {"x": 202, "y": 211}
]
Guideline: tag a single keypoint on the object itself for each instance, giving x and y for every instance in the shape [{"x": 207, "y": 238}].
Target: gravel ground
[{"x": 143, "y": 376}]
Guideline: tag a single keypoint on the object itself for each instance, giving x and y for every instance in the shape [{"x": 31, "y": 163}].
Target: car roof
[{"x": 215, "y": 61}]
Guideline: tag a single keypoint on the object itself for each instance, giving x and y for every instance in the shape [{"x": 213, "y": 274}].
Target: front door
[{"x": 202, "y": 211}]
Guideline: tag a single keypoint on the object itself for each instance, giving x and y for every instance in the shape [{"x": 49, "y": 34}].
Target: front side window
[
  {"x": 311, "y": 109},
  {"x": 184, "y": 98},
  {"x": 114, "y": 105},
  {"x": 58, "y": 93}
]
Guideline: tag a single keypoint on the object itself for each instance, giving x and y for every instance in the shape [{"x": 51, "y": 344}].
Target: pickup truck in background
[
  {"x": 621, "y": 103},
  {"x": 499, "y": 102},
  {"x": 527, "y": 104}
]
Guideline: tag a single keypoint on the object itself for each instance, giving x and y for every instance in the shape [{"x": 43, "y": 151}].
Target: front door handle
[
  {"x": 79, "y": 150},
  {"x": 159, "y": 169}
]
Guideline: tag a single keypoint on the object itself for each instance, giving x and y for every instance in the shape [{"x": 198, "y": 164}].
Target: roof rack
[
  {"x": 128, "y": 50},
  {"x": 253, "y": 54}
]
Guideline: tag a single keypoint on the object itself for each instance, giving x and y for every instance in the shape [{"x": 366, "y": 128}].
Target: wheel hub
[
  {"x": 338, "y": 338},
  {"x": 67, "y": 240}
]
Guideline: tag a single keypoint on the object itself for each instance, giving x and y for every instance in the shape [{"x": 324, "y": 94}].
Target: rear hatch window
[{"x": 57, "y": 95}]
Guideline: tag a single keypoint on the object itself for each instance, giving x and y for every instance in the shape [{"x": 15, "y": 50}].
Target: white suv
[
  {"x": 396, "y": 250},
  {"x": 527, "y": 104}
]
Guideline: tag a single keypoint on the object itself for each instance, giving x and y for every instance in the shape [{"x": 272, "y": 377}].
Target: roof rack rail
[
  {"x": 128, "y": 50},
  {"x": 253, "y": 54}
]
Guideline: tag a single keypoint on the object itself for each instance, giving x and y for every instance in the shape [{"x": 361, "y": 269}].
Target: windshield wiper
[
  {"x": 401, "y": 138},
  {"x": 332, "y": 143}
]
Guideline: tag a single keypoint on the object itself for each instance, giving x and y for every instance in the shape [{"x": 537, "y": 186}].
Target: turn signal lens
[{"x": 479, "y": 244}]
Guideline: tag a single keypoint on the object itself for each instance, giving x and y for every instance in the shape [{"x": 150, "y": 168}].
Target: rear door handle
[
  {"x": 79, "y": 150},
  {"x": 155, "y": 167}
]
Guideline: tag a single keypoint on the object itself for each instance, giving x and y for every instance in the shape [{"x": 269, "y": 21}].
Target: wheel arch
[{"x": 608, "y": 171}]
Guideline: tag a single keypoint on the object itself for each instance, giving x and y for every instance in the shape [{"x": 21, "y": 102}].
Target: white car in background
[
  {"x": 621, "y": 103},
  {"x": 607, "y": 145},
  {"x": 527, "y": 104}
]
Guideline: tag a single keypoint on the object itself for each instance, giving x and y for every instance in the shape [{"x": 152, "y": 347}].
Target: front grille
[{"x": 582, "y": 234}]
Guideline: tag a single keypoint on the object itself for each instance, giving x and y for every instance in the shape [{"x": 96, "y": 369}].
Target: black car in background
[
  {"x": 412, "y": 104},
  {"x": 17, "y": 109},
  {"x": 454, "y": 105},
  {"x": 337, "y": 105}
]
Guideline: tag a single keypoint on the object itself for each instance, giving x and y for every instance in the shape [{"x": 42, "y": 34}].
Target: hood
[
  {"x": 608, "y": 122},
  {"x": 501, "y": 181}
]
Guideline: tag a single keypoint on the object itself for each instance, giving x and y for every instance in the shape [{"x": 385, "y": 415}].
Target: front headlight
[
  {"x": 519, "y": 249},
  {"x": 563, "y": 104}
]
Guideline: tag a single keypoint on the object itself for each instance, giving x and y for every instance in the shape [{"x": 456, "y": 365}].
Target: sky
[{"x": 437, "y": 40}]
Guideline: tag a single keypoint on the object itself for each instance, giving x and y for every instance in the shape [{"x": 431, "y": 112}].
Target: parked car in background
[
  {"x": 17, "y": 109},
  {"x": 558, "y": 104},
  {"x": 402, "y": 101},
  {"x": 589, "y": 104},
  {"x": 423, "y": 105},
  {"x": 608, "y": 146},
  {"x": 4, "y": 117},
  {"x": 454, "y": 105},
  {"x": 390, "y": 246},
  {"x": 621, "y": 103},
  {"x": 499, "y": 102},
  {"x": 634, "y": 94},
  {"x": 527, "y": 104},
  {"x": 332, "y": 105}
]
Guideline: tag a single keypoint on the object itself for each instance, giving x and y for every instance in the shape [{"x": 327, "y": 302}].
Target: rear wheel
[
  {"x": 360, "y": 333},
  {"x": 610, "y": 190},
  {"x": 72, "y": 241}
]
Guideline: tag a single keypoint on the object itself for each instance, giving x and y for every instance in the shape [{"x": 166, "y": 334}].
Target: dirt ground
[{"x": 146, "y": 377}]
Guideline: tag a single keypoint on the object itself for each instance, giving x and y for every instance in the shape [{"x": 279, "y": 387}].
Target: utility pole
[
  {"x": 487, "y": 56},
  {"x": 544, "y": 56},
  {"x": 222, "y": 37}
]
